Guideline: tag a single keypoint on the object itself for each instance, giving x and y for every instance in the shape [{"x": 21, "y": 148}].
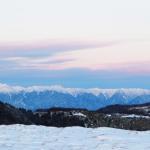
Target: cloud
[
  {"x": 50, "y": 47},
  {"x": 46, "y": 55},
  {"x": 40, "y": 63},
  {"x": 66, "y": 62},
  {"x": 131, "y": 57}
]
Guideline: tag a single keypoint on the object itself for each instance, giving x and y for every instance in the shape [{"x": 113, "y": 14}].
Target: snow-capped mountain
[{"x": 35, "y": 97}]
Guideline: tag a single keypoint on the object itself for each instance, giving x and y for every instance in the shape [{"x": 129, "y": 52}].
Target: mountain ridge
[{"x": 36, "y": 97}]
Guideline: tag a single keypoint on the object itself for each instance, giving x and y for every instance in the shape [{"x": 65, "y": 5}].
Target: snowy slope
[
  {"x": 20, "y": 137},
  {"x": 35, "y": 97}
]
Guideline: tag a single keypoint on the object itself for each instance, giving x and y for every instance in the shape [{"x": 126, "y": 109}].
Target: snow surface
[
  {"x": 135, "y": 116},
  {"x": 128, "y": 115},
  {"x": 79, "y": 114},
  {"x": 21, "y": 137}
]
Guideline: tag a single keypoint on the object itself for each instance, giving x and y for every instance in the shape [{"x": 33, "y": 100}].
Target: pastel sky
[{"x": 75, "y": 43}]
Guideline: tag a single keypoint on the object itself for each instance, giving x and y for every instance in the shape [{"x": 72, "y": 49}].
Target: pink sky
[{"x": 82, "y": 34}]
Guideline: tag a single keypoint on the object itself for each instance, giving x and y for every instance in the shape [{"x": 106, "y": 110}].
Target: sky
[{"x": 81, "y": 43}]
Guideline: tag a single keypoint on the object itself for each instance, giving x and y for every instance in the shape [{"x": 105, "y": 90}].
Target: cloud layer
[{"x": 126, "y": 56}]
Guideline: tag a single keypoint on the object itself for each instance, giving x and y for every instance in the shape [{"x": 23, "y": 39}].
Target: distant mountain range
[{"x": 37, "y": 97}]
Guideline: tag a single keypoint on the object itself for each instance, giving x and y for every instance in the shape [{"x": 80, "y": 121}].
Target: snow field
[{"x": 21, "y": 137}]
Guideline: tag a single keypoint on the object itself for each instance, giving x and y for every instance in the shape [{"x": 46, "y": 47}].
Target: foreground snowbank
[{"x": 21, "y": 137}]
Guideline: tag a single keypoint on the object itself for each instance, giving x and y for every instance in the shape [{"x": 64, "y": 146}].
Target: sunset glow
[{"x": 56, "y": 38}]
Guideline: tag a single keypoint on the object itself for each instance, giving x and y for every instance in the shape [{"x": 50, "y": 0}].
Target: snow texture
[{"x": 21, "y": 137}]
